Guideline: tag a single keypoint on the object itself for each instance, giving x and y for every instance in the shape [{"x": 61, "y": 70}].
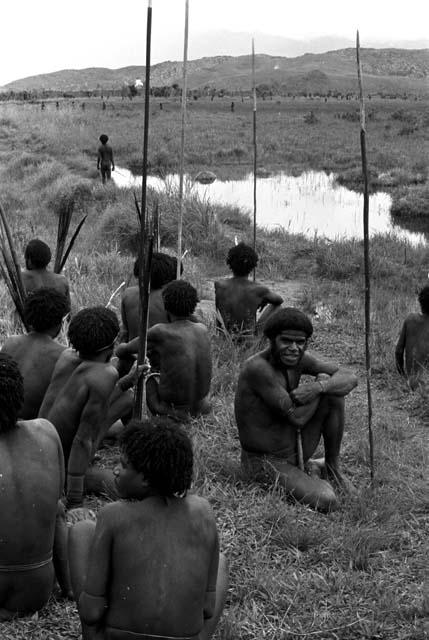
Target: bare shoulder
[
  {"x": 256, "y": 365},
  {"x": 199, "y": 505},
  {"x": 39, "y": 428},
  {"x": 12, "y": 342}
]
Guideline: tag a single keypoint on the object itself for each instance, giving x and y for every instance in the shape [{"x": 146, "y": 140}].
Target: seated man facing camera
[
  {"x": 33, "y": 531},
  {"x": 276, "y": 413},
  {"x": 180, "y": 350}
]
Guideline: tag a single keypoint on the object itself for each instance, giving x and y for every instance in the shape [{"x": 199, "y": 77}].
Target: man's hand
[{"x": 306, "y": 393}]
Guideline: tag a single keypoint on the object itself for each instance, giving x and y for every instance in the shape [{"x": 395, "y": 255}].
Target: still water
[{"x": 311, "y": 203}]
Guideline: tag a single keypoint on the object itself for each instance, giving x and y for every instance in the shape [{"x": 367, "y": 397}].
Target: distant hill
[{"x": 384, "y": 70}]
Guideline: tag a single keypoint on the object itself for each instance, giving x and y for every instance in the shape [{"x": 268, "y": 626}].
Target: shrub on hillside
[
  {"x": 69, "y": 192},
  {"x": 412, "y": 203}
]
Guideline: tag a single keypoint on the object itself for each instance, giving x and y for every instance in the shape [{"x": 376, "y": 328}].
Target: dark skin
[
  {"x": 36, "y": 354},
  {"x": 238, "y": 299},
  {"x": 130, "y": 312},
  {"x": 34, "y": 278},
  {"x": 32, "y": 524},
  {"x": 180, "y": 351},
  {"x": 153, "y": 566},
  {"x": 272, "y": 403},
  {"x": 79, "y": 412},
  {"x": 412, "y": 348},
  {"x": 105, "y": 161}
]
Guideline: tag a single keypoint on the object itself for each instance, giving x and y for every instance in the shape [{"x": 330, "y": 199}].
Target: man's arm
[
  {"x": 400, "y": 349},
  {"x": 127, "y": 349},
  {"x": 267, "y": 386},
  {"x": 92, "y": 419},
  {"x": 98, "y": 158},
  {"x": 124, "y": 333},
  {"x": 339, "y": 383},
  {"x": 210, "y": 594},
  {"x": 93, "y": 599},
  {"x": 269, "y": 297}
]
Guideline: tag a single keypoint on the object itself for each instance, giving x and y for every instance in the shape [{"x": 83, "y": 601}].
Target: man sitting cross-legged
[
  {"x": 180, "y": 350},
  {"x": 150, "y": 567},
  {"x": 413, "y": 343},
  {"x": 33, "y": 532},
  {"x": 272, "y": 404},
  {"x": 37, "y": 351},
  {"x": 238, "y": 298},
  {"x": 37, "y": 275},
  {"x": 163, "y": 270},
  {"x": 79, "y": 399}
]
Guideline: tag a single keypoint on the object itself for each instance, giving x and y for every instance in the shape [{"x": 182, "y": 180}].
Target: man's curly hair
[
  {"x": 92, "y": 330},
  {"x": 45, "y": 308},
  {"x": 180, "y": 298},
  {"x": 103, "y": 138},
  {"x": 163, "y": 269},
  {"x": 11, "y": 392},
  {"x": 38, "y": 252},
  {"x": 287, "y": 318},
  {"x": 162, "y": 452},
  {"x": 242, "y": 259}
]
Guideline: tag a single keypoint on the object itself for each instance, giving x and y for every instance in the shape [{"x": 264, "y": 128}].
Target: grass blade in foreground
[
  {"x": 366, "y": 259},
  {"x": 11, "y": 270},
  {"x": 71, "y": 243}
]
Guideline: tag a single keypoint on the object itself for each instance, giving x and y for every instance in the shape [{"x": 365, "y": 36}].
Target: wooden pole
[
  {"x": 146, "y": 243},
  {"x": 254, "y": 150},
  {"x": 367, "y": 266},
  {"x": 182, "y": 140}
]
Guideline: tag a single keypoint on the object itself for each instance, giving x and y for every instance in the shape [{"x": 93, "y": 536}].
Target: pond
[{"x": 312, "y": 203}]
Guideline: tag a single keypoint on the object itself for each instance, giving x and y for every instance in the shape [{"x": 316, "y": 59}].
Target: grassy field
[{"x": 353, "y": 574}]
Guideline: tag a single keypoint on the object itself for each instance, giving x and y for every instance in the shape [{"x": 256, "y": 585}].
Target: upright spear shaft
[
  {"x": 145, "y": 249},
  {"x": 182, "y": 140},
  {"x": 366, "y": 259},
  {"x": 254, "y": 150}
]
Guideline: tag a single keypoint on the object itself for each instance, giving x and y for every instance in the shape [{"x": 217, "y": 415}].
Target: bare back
[
  {"x": 130, "y": 311},
  {"x": 238, "y": 300},
  {"x": 416, "y": 343},
  {"x": 36, "y": 355},
  {"x": 168, "y": 550},
  {"x": 105, "y": 155},
  {"x": 67, "y": 362},
  {"x": 181, "y": 352},
  {"x": 31, "y": 483},
  {"x": 38, "y": 278}
]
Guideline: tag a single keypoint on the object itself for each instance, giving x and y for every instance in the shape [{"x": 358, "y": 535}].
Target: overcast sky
[{"x": 40, "y": 37}]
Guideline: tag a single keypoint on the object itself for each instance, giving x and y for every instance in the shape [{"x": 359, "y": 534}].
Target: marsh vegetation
[{"x": 351, "y": 575}]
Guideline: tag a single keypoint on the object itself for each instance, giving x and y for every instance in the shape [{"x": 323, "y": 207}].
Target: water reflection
[{"x": 310, "y": 203}]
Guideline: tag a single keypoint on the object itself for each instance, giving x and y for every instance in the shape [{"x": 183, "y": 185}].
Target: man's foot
[{"x": 338, "y": 481}]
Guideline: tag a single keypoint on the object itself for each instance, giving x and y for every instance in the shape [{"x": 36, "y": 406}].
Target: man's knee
[{"x": 325, "y": 499}]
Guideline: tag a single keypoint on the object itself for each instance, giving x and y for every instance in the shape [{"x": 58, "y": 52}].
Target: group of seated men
[{"x": 150, "y": 566}]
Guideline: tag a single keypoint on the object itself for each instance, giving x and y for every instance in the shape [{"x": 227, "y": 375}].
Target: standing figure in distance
[
  {"x": 150, "y": 567},
  {"x": 37, "y": 352},
  {"x": 33, "y": 530},
  {"x": 276, "y": 413},
  {"x": 238, "y": 298},
  {"x": 413, "y": 343},
  {"x": 105, "y": 162},
  {"x": 37, "y": 275}
]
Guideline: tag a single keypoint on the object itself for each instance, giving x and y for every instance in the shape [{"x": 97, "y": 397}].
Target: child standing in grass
[
  {"x": 105, "y": 162},
  {"x": 150, "y": 567},
  {"x": 413, "y": 343},
  {"x": 37, "y": 352}
]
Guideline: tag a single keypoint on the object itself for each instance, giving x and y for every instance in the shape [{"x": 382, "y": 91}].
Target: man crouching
[{"x": 277, "y": 414}]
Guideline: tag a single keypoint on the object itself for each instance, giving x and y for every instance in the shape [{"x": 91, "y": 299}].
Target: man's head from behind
[
  {"x": 288, "y": 331},
  {"x": 423, "y": 298},
  {"x": 103, "y": 138},
  {"x": 11, "y": 392},
  {"x": 37, "y": 254},
  {"x": 93, "y": 331},
  {"x": 45, "y": 309},
  {"x": 163, "y": 269},
  {"x": 156, "y": 456},
  {"x": 242, "y": 259},
  {"x": 180, "y": 298}
]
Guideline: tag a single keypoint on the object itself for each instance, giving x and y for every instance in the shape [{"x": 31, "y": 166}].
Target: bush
[
  {"x": 70, "y": 192},
  {"x": 412, "y": 203}
]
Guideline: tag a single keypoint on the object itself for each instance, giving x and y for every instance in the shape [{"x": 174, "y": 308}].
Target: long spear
[
  {"x": 254, "y": 150},
  {"x": 182, "y": 140},
  {"x": 146, "y": 243},
  {"x": 366, "y": 259}
]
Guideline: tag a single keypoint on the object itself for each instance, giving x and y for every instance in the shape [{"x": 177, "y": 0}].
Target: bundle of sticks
[{"x": 9, "y": 267}]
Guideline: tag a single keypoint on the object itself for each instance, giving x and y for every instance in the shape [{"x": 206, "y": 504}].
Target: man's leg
[
  {"x": 313, "y": 491},
  {"x": 159, "y": 407},
  {"x": 210, "y": 624},
  {"x": 332, "y": 431}
]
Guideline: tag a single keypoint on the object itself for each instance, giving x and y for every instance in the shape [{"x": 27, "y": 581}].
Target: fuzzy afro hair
[
  {"x": 180, "y": 298},
  {"x": 38, "y": 252},
  {"x": 423, "y": 298},
  {"x": 163, "y": 269},
  {"x": 103, "y": 138},
  {"x": 162, "y": 452},
  {"x": 11, "y": 392},
  {"x": 93, "y": 330},
  {"x": 287, "y": 318},
  {"x": 45, "y": 308},
  {"x": 242, "y": 259}
]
